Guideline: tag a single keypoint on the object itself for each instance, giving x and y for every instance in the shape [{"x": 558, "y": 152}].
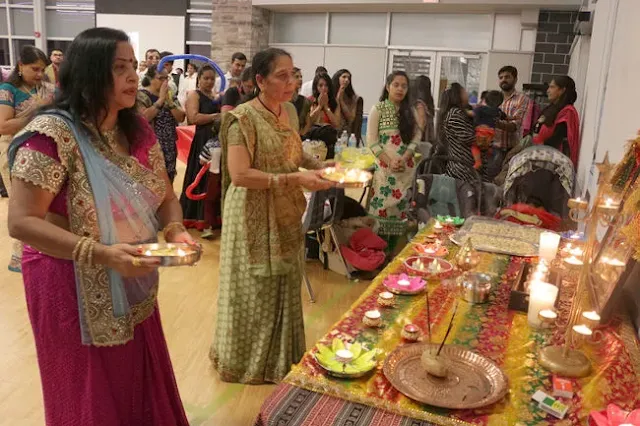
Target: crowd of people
[{"x": 92, "y": 173}]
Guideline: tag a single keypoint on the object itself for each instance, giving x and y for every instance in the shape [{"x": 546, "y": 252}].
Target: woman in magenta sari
[{"x": 89, "y": 180}]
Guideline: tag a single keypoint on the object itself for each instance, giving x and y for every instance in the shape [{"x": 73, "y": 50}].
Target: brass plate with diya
[
  {"x": 172, "y": 254},
  {"x": 472, "y": 381},
  {"x": 347, "y": 178}
]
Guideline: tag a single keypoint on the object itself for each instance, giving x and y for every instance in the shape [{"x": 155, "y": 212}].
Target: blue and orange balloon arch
[{"x": 192, "y": 57}]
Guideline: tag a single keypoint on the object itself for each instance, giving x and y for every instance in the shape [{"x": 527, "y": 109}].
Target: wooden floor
[{"x": 188, "y": 308}]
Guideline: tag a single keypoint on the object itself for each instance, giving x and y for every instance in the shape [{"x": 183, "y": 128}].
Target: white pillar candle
[
  {"x": 541, "y": 296},
  {"x": 548, "y": 245}
]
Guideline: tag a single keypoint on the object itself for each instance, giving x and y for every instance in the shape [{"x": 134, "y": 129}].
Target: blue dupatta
[{"x": 124, "y": 210}]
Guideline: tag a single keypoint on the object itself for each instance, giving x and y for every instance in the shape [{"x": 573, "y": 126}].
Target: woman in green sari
[{"x": 260, "y": 332}]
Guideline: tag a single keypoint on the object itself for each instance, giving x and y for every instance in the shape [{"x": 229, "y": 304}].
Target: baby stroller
[
  {"x": 537, "y": 188},
  {"x": 435, "y": 194}
]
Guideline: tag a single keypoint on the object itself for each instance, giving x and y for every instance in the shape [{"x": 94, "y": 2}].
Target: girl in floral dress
[{"x": 393, "y": 136}]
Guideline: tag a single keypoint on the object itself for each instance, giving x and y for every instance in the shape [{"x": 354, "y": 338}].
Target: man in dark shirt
[{"x": 237, "y": 95}]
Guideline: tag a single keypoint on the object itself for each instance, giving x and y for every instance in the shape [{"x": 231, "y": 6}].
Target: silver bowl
[
  {"x": 172, "y": 254},
  {"x": 476, "y": 287}
]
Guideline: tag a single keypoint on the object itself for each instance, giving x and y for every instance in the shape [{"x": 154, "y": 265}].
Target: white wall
[
  {"x": 611, "y": 89},
  {"x": 157, "y": 32}
]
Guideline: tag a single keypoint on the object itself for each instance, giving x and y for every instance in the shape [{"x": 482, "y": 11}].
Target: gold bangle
[
  {"x": 179, "y": 226},
  {"x": 76, "y": 249},
  {"x": 276, "y": 180},
  {"x": 270, "y": 180}
]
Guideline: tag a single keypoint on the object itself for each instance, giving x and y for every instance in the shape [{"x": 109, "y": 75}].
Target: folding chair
[{"x": 323, "y": 210}]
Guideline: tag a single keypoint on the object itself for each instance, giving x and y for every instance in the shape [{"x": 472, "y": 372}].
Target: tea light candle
[
  {"x": 548, "y": 245},
  {"x": 449, "y": 220},
  {"x": 542, "y": 297},
  {"x": 404, "y": 283},
  {"x": 614, "y": 262},
  {"x": 438, "y": 226},
  {"x": 372, "y": 318},
  {"x": 577, "y": 203},
  {"x": 537, "y": 276},
  {"x": 410, "y": 332},
  {"x": 548, "y": 315},
  {"x": 573, "y": 261},
  {"x": 592, "y": 318},
  {"x": 344, "y": 356},
  {"x": 576, "y": 251},
  {"x": 582, "y": 330},
  {"x": 386, "y": 299},
  {"x": 609, "y": 207}
]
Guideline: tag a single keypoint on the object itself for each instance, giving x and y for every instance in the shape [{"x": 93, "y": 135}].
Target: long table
[{"x": 310, "y": 397}]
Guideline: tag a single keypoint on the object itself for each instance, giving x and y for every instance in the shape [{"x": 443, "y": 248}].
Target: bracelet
[
  {"x": 83, "y": 251},
  {"x": 178, "y": 226}
]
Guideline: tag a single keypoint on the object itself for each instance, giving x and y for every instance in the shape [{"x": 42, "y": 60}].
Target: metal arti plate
[
  {"x": 172, "y": 254},
  {"x": 472, "y": 380},
  {"x": 498, "y": 236},
  {"x": 347, "y": 178}
]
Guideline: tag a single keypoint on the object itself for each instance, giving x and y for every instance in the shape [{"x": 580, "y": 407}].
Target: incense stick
[
  {"x": 448, "y": 329},
  {"x": 428, "y": 317}
]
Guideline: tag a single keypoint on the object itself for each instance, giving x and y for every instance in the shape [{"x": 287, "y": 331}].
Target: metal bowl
[
  {"x": 476, "y": 287},
  {"x": 172, "y": 254}
]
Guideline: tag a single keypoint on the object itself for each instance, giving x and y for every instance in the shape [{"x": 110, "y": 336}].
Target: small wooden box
[{"x": 519, "y": 298}]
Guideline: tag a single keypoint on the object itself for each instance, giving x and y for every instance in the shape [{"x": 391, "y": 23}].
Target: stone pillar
[{"x": 237, "y": 26}]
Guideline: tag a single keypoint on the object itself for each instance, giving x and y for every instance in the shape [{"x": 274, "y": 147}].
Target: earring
[{"x": 20, "y": 73}]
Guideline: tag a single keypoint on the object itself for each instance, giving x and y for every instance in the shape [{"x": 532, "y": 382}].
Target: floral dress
[{"x": 389, "y": 201}]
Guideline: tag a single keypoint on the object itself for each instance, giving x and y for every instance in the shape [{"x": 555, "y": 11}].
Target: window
[
  {"x": 68, "y": 23},
  {"x": 465, "y": 31},
  {"x": 299, "y": 28},
  {"x": 200, "y": 4},
  {"x": 199, "y": 28},
  {"x": 62, "y": 45},
  {"x": 5, "y": 58},
  {"x": 358, "y": 28},
  {"x": 4, "y": 30},
  {"x": 22, "y": 22},
  {"x": 199, "y": 49},
  {"x": 70, "y": 3}
]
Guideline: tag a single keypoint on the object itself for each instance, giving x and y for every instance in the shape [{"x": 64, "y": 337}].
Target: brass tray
[
  {"x": 347, "y": 178},
  {"x": 172, "y": 254},
  {"x": 472, "y": 382}
]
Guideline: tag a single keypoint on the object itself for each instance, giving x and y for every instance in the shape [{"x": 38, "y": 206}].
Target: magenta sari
[{"x": 126, "y": 382}]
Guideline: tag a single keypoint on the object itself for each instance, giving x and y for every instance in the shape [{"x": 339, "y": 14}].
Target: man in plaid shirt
[{"x": 515, "y": 107}]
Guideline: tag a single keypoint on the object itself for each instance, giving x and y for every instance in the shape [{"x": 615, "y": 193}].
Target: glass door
[
  {"x": 463, "y": 68},
  {"x": 413, "y": 62}
]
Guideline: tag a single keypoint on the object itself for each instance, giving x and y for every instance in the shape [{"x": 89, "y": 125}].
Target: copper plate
[{"x": 472, "y": 382}]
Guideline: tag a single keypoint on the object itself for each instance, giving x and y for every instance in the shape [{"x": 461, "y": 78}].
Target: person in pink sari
[{"x": 89, "y": 182}]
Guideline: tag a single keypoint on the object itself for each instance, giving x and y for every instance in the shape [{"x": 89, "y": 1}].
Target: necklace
[{"x": 269, "y": 109}]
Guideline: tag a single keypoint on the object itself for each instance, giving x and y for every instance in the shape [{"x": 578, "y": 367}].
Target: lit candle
[
  {"x": 372, "y": 318},
  {"x": 542, "y": 297},
  {"x": 438, "y": 226},
  {"x": 592, "y": 318},
  {"x": 181, "y": 253},
  {"x": 615, "y": 262},
  {"x": 577, "y": 203},
  {"x": 548, "y": 315},
  {"x": 386, "y": 299},
  {"x": 542, "y": 267},
  {"x": 548, "y": 245},
  {"x": 582, "y": 330},
  {"x": 573, "y": 261},
  {"x": 609, "y": 207},
  {"x": 429, "y": 250},
  {"x": 538, "y": 276},
  {"x": 449, "y": 220},
  {"x": 576, "y": 252},
  {"x": 344, "y": 356},
  {"x": 404, "y": 283},
  {"x": 148, "y": 253}
]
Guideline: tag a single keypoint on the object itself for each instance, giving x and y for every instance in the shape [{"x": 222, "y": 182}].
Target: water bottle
[
  {"x": 340, "y": 145},
  {"x": 353, "y": 142}
]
